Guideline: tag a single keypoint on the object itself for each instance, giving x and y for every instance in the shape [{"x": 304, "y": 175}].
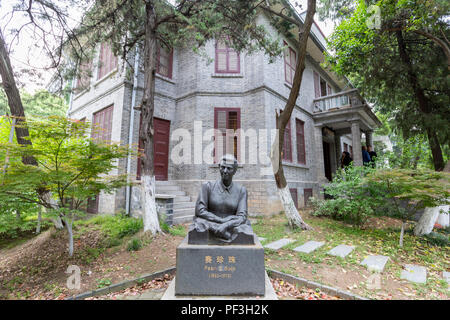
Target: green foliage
[
  {"x": 134, "y": 244},
  {"x": 42, "y": 103},
  {"x": 12, "y": 227},
  {"x": 438, "y": 239},
  {"x": 349, "y": 202},
  {"x": 177, "y": 231},
  {"x": 371, "y": 59},
  {"x": 101, "y": 283},
  {"x": 400, "y": 193},
  {"x": 114, "y": 226},
  {"x": 71, "y": 167},
  {"x": 360, "y": 192}
]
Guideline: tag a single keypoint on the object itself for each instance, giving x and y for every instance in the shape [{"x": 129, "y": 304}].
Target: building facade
[{"x": 236, "y": 91}]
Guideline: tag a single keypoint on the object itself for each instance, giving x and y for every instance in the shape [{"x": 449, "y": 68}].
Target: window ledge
[
  {"x": 79, "y": 94},
  {"x": 296, "y": 165},
  {"x": 217, "y": 165},
  {"x": 288, "y": 85},
  {"x": 227, "y": 75},
  {"x": 157, "y": 75},
  {"x": 106, "y": 76}
]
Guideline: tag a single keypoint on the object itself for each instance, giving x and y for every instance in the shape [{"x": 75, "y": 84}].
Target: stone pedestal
[{"x": 220, "y": 270}]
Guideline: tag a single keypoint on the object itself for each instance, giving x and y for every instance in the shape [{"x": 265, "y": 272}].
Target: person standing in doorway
[
  {"x": 365, "y": 156},
  {"x": 372, "y": 155}
]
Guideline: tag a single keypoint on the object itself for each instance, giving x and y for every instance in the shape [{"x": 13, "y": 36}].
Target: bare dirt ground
[{"x": 36, "y": 269}]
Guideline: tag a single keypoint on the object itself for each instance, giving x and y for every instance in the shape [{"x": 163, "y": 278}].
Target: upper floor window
[
  {"x": 321, "y": 87},
  {"x": 108, "y": 61},
  {"x": 290, "y": 60},
  {"x": 83, "y": 76},
  {"x": 164, "y": 61},
  {"x": 102, "y": 124},
  {"x": 227, "y": 59}
]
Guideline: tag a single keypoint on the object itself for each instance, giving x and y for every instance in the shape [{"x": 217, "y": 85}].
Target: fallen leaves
[{"x": 288, "y": 290}]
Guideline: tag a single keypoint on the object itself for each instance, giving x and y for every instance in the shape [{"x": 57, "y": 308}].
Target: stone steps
[{"x": 183, "y": 206}]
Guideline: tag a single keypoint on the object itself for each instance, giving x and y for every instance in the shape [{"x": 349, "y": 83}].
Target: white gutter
[{"x": 131, "y": 131}]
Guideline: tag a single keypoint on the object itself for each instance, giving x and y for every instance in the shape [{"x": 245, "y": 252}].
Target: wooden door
[{"x": 161, "y": 148}]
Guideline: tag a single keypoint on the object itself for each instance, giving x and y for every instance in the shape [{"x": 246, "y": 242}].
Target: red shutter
[
  {"x": 102, "y": 124},
  {"x": 316, "y": 84},
  {"x": 108, "y": 61},
  {"x": 301, "y": 152},
  {"x": 226, "y": 119},
  {"x": 287, "y": 149},
  {"x": 328, "y": 89}
]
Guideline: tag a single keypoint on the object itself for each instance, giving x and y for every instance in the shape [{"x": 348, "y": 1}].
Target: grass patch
[{"x": 134, "y": 244}]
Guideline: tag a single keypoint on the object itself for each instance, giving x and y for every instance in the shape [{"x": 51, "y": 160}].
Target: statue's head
[{"x": 228, "y": 166}]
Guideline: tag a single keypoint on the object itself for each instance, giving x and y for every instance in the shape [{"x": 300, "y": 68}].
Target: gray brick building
[{"x": 236, "y": 91}]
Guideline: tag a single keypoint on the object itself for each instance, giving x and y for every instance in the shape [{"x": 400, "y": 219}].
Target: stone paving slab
[
  {"x": 278, "y": 244},
  {"x": 341, "y": 250},
  {"x": 375, "y": 263},
  {"x": 414, "y": 273},
  {"x": 309, "y": 246}
]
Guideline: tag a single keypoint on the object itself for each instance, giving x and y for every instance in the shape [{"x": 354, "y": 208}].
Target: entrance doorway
[{"x": 327, "y": 160}]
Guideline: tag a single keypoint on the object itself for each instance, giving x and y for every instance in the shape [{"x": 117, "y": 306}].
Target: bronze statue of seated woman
[{"x": 221, "y": 210}]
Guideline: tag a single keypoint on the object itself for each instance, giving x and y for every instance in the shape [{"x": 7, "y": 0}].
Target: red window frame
[
  {"x": 168, "y": 56},
  {"x": 290, "y": 61},
  {"x": 102, "y": 124},
  {"x": 108, "y": 61},
  {"x": 318, "y": 87},
  {"x": 227, "y": 51},
  {"x": 300, "y": 135},
  {"x": 237, "y": 149}
]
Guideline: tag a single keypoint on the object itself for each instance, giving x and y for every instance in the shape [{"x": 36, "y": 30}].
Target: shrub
[
  {"x": 134, "y": 245},
  {"x": 350, "y": 201}
]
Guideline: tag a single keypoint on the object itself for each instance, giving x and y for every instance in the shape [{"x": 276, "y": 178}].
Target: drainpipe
[{"x": 131, "y": 131}]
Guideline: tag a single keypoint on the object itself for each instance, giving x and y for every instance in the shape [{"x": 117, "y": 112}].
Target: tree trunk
[
  {"x": 150, "y": 216},
  {"x": 14, "y": 100},
  {"x": 68, "y": 223},
  {"x": 402, "y": 232},
  {"x": 291, "y": 212},
  {"x": 424, "y": 107},
  {"x": 38, "y": 227}
]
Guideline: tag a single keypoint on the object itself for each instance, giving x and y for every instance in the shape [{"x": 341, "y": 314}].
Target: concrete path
[
  {"x": 341, "y": 250},
  {"x": 414, "y": 273},
  {"x": 278, "y": 244},
  {"x": 309, "y": 246},
  {"x": 375, "y": 263}
]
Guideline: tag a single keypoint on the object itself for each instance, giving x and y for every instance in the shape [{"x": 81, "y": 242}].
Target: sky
[{"x": 30, "y": 62}]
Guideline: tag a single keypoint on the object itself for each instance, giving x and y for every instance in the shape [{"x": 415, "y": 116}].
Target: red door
[{"x": 161, "y": 148}]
